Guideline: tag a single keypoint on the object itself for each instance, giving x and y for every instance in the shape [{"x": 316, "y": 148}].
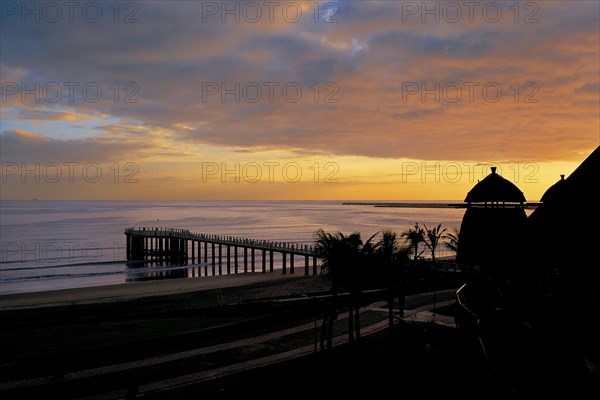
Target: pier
[{"x": 222, "y": 253}]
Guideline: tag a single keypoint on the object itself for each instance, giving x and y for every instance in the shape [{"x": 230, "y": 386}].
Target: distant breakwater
[{"x": 421, "y": 205}]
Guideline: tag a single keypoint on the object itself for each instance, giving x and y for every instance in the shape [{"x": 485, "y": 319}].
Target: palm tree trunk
[
  {"x": 433, "y": 278},
  {"x": 401, "y": 298},
  {"x": 390, "y": 303},
  {"x": 357, "y": 322},
  {"x": 350, "y": 324},
  {"x": 331, "y": 317}
]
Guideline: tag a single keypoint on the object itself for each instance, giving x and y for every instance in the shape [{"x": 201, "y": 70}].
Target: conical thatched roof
[
  {"x": 580, "y": 186},
  {"x": 554, "y": 191},
  {"x": 495, "y": 188}
]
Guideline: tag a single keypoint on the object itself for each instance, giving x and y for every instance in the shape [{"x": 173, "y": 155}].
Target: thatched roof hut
[{"x": 492, "y": 223}]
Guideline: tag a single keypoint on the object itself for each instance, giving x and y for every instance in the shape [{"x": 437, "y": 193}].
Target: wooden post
[
  {"x": 245, "y": 259},
  {"x": 264, "y": 261},
  {"x": 220, "y": 259},
  {"x": 314, "y": 265},
  {"x": 252, "y": 256},
  {"x": 140, "y": 255},
  {"x": 213, "y": 258},
  {"x": 205, "y": 252},
  {"x": 283, "y": 263},
  {"x": 193, "y": 251},
  {"x": 172, "y": 248},
  {"x": 235, "y": 254},
  {"x": 167, "y": 248},
  {"x": 292, "y": 261},
  {"x": 306, "y": 271},
  {"x": 270, "y": 260},
  {"x": 228, "y": 259},
  {"x": 200, "y": 251},
  {"x": 132, "y": 247}
]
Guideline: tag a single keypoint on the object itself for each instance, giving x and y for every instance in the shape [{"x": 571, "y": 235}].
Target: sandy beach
[{"x": 287, "y": 284}]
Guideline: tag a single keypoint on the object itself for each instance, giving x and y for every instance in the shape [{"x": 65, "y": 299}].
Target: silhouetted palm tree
[
  {"x": 432, "y": 239},
  {"x": 414, "y": 237},
  {"x": 362, "y": 256},
  {"x": 330, "y": 249},
  {"x": 392, "y": 258},
  {"x": 343, "y": 257}
]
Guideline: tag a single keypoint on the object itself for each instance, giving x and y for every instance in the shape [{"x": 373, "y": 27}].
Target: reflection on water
[{"x": 141, "y": 271}]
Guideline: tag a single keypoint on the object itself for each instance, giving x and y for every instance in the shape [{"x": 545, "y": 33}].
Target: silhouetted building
[
  {"x": 563, "y": 230},
  {"x": 544, "y": 316},
  {"x": 493, "y": 222}
]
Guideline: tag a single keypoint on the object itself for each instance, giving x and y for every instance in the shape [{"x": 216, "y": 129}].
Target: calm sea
[{"x": 49, "y": 245}]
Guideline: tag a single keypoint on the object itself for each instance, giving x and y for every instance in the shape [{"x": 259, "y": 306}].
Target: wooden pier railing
[{"x": 180, "y": 245}]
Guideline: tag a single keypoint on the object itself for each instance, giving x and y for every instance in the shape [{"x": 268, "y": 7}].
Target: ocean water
[{"x": 49, "y": 245}]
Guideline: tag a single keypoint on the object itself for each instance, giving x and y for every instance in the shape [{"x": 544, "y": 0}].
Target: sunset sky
[{"x": 348, "y": 100}]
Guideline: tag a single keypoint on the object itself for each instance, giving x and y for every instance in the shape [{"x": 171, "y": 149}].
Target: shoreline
[{"x": 136, "y": 290}]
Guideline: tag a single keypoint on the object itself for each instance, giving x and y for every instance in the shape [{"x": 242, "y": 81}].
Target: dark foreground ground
[
  {"x": 422, "y": 359},
  {"x": 418, "y": 360}
]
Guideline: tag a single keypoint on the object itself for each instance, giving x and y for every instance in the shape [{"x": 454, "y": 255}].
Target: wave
[{"x": 86, "y": 273}]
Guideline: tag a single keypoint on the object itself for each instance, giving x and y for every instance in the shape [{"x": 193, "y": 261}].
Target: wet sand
[{"x": 127, "y": 291}]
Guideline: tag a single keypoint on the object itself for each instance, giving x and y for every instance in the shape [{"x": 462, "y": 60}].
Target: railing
[{"x": 474, "y": 318}]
